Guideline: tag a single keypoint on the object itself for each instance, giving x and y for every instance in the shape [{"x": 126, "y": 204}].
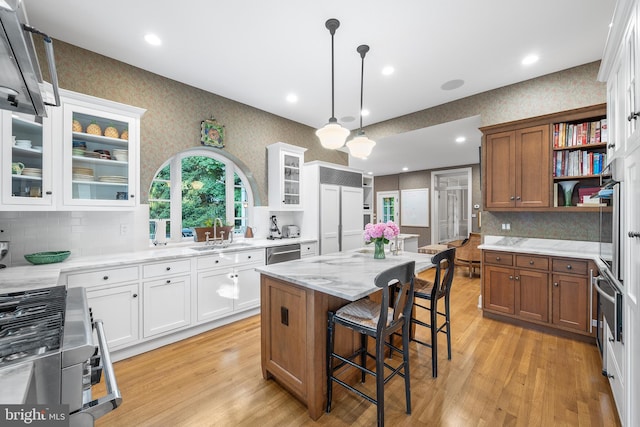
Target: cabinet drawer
[
  {"x": 567, "y": 265},
  {"x": 164, "y": 268},
  {"x": 213, "y": 261},
  {"x": 308, "y": 249},
  {"x": 531, "y": 261},
  {"x": 103, "y": 277},
  {"x": 243, "y": 257},
  {"x": 498, "y": 258}
]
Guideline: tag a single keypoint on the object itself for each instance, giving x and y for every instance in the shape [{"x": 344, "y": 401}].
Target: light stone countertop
[
  {"x": 348, "y": 275},
  {"x": 20, "y": 278},
  {"x": 551, "y": 247}
]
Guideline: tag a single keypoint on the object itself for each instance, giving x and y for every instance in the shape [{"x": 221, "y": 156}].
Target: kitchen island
[{"x": 295, "y": 298}]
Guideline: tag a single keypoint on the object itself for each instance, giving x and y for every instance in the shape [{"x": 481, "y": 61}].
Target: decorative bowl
[{"x": 47, "y": 257}]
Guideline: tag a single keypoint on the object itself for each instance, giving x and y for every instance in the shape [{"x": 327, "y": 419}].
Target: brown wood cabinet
[
  {"x": 549, "y": 291},
  {"x": 518, "y": 165}
]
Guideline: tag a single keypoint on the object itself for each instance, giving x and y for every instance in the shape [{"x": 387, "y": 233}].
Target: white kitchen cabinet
[
  {"x": 166, "y": 304},
  {"x": 367, "y": 200},
  {"x": 30, "y": 187},
  {"x": 228, "y": 283},
  {"x": 118, "y": 307},
  {"x": 97, "y": 170},
  {"x": 285, "y": 176},
  {"x": 308, "y": 249}
]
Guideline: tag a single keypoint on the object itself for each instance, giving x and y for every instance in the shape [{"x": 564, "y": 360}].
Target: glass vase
[
  {"x": 567, "y": 188},
  {"x": 378, "y": 252}
]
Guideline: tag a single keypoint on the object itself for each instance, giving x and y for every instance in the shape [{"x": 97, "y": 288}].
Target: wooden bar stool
[{"x": 380, "y": 321}]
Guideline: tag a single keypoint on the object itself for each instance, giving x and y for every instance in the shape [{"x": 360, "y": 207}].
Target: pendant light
[
  {"x": 361, "y": 146},
  {"x": 332, "y": 135}
]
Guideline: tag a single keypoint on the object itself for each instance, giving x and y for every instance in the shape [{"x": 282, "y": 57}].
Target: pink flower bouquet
[{"x": 382, "y": 231}]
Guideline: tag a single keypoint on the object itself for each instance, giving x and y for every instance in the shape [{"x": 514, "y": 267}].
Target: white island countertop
[{"x": 348, "y": 275}]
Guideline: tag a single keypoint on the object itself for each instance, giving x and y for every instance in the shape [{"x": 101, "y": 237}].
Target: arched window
[{"x": 195, "y": 187}]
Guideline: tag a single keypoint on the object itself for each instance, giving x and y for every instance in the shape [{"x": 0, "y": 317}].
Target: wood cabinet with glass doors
[
  {"x": 101, "y": 143},
  {"x": 522, "y": 160}
]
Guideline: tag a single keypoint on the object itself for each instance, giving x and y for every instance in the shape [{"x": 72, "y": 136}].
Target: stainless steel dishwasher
[{"x": 283, "y": 253}]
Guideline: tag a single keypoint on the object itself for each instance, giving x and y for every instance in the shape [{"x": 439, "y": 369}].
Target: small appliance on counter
[
  {"x": 274, "y": 231},
  {"x": 290, "y": 231}
]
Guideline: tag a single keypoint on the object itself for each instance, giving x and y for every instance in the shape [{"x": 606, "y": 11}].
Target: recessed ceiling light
[
  {"x": 388, "y": 70},
  {"x": 405, "y": 168},
  {"x": 370, "y": 173},
  {"x": 152, "y": 39},
  {"x": 452, "y": 84},
  {"x": 530, "y": 59},
  {"x": 460, "y": 139},
  {"x": 292, "y": 98},
  {"x": 365, "y": 112}
]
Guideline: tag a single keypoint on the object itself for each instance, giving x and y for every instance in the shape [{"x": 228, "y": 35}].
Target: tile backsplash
[{"x": 82, "y": 233}]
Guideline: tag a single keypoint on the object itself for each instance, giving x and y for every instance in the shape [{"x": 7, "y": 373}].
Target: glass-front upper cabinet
[
  {"x": 26, "y": 161},
  {"x": 285, "y": 177},
  {"x": 101, "y": 153}
]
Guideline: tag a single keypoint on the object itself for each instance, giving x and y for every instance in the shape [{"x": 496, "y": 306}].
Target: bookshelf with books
[{"x": 579, "y": 154}]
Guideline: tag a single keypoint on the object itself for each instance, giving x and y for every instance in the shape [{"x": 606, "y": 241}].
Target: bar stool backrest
[
  {"x": 444, "y": 265},
  {"x": 400, "y": 279}
]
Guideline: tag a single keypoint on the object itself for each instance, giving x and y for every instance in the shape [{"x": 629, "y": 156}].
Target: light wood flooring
[{"x": 499, "y": 375}]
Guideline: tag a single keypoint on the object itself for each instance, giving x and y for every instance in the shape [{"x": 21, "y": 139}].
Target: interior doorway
[
  {"x": 387, "y": 206},
  {"x": 450, "y": 205}
]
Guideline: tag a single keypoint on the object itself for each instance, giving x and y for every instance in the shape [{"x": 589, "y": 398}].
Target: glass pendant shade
[
  {"x": 361, "y": 146},
  {"x": 332, "y": 136}
]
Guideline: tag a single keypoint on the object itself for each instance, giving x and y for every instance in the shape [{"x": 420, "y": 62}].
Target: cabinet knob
[
  {"x": 131, "y": 196},
  {"x": 497, "y": 258},
  {"x": 135, "y": 295},
  {"x": 168, "y": 281},
  {"x": 633, "y": 116},
  {"x": 518, "y": 198},
  {"x": 249, "y": 257},
  {"x": 610, "y": 376},
  {"x": 555, "y": 284},
  {"x": 48, "y": 193},
  {"x": 517, "y": 277},
  {"x": 611, "y": 145},
  {"x": 168, "y": 268},
  {"x": 217, "y": 261},
  {"x": 510, "y": 277},
  {"x": 611, "y": 339},
  {"x": 568, "y": 266},
  {"x": 531, "y": 262},
  {"x": 105, "y": 278},
  {"x": 512, "y": 198},
  {"x": 633, "y": 234}
]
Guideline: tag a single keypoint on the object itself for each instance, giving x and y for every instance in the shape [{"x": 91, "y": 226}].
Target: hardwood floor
[{"x": 499, "y": 374}]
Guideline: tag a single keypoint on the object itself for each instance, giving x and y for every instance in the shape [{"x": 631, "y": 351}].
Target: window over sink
[{"x": 197, "y": 185}]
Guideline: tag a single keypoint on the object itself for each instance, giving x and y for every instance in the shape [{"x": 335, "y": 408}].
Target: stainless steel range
[{"x": 52, "y": 331}]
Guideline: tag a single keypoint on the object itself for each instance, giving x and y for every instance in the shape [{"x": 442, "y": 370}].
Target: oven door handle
[
  {"x": 113, "y": 399},
  {"x": 602, "y": 292}
]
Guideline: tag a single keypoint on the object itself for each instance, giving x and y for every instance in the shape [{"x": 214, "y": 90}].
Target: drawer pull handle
[
  {"x": 168, "y": 268},
  {"x": 569, "y": 267},
  {"x": 611, "y": 376},
  {"x": 105, "y": 278},
  {"x": 530, "y": 262},
  {"x": 135, "y": 295},
  {"x": 633, "y": 234},
  {"x": 633, "y": 116}
]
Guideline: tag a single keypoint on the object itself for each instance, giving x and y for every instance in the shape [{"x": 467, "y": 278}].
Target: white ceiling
[{"x": 257, "y": 52}]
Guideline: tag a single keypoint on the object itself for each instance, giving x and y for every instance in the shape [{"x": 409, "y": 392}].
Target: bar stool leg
[
  {"x": 330, "y": 341},
  {"x": 448, "y": 318},
  {"x": 380, "y": 379},
  {"x": 405, "y": 358},
  {"x": 434, "y": 338}
]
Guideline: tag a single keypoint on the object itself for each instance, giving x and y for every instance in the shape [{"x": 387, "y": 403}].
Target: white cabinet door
[
  {"x": 329, "y": 218},
  {"x": 351, "y": 212},
  {"x": 631, "y": 85},
  {"x": 216, "y": 292},
  {"x": 118, "y": 308},
  {"x": 247, "y": 287},
  {"x": 166, "y": 304},
  {"x": 285, "y": 176},
  {"x": 631, "y": 310}
]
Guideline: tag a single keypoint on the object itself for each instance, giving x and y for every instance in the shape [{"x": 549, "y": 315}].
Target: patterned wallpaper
[{"x": 174, "y": 111}]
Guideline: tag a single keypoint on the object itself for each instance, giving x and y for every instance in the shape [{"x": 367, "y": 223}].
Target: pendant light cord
[
  {"x": 332, "y": 25},
  {"x": 362, "y": 50}
]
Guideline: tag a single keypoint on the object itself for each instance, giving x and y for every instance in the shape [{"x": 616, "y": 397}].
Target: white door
[
  {"x": 330, "y": 218},
  {"x": 166, "y": 305},
  {"x": 118, "y": 308},
  {"x": 216, "y": 291},
  {"x": 388, "y": 206},
  {"x": 351, "y": 212},
  {"x": 451, "y": 205}
]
